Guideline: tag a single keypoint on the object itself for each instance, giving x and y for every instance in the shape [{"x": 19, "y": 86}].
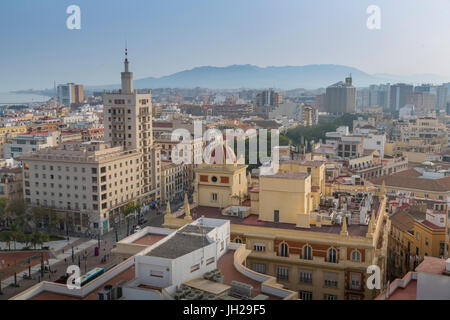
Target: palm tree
[
  {"x": 15, "y": 234},
  {"x": 39, "y": 238},
  {"x": 24, "y": 238}
]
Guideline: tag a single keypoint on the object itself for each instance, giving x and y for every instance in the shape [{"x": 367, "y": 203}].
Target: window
[
  {"x": 276, "y": 216},
  {"x": 282, "y": 273},
  {"x": 238, "y": 240},
  {"x": 195, "y": 267},
  {"x": 331, "y": 255},
  {"x": 259, "y": 267},
  {"x": 259, "y": 246},
  {"x": 214, "y": 196},
  {"x": 330, "y": 279},
  {"x": 356, "y": 256},
  {"x": 355, "y": 281},
  {"x": 284, "y": 250},
  {"x": 157, "y": 274},
  {"x": 305, "y": 276},
  {"x": 305, "y": 295},
  {"x": 307, "y": 252},
  {"x": 330, "y": 297}
]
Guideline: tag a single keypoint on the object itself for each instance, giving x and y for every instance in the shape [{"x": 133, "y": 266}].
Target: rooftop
[
  {"x": 412, "y": 178},
  {"x": 186, "y": 240},
  {"x": 356, "y": 230}
]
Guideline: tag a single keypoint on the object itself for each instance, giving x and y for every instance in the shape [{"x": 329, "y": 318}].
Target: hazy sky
[{"x": 166, "y": 36}]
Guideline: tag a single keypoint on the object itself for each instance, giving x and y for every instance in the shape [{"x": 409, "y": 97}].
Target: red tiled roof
[{"x": 431, "y": 225}]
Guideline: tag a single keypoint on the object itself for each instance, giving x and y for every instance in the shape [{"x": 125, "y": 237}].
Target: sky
[{"x": 167, "y": 36}]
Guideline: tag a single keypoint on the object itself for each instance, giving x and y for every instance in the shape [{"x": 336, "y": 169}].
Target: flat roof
[
  {"x": 128, "y": 274},
  {"x": 407, "y": 293},
  {"x": 432, "y": 265},
  {"x": 357, "y": 230},
  {"x": 179, "y": 245},
  {"x": 149, "y": 239},
  {"x": 209, "y": 286}
]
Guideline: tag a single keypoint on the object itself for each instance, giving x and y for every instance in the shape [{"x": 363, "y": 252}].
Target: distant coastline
[{"x": 23, "y": 97}]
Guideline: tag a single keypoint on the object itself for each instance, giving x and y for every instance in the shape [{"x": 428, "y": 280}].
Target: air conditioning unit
[
  {"x": 240, "y": 289},
  {"x": 105, "y": 294},
  {"x": 218, "y": 278},
  {"x": 119, "y": 288}
]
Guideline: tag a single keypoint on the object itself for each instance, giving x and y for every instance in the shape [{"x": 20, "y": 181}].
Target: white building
[{"x": 27, "y": 143}]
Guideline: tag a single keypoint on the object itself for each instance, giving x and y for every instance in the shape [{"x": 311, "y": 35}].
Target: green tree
[
  {"x": 15, "y": 234},
  {"x": 38, "y": 216},
  {"x": 129, "y": 208},
  {"x": 3, "y": 211},
  {"x": 38, "y": 238},
  {"x": 18, "y": 211},
  {"x": 6, "y": 236},
  {"x": 24, "y": 238}
]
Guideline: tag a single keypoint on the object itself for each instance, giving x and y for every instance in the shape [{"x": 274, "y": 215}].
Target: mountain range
[{"x": 280, "y": 77}]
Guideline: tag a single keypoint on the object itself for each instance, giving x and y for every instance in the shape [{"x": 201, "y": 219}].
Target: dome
[{"x": 222, "y": 154}]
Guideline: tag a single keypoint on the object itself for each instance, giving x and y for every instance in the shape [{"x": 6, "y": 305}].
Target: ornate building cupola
[{"x": 222, "y": 155}]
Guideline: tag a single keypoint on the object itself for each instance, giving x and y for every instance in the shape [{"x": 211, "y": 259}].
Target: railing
[{"x": 269, "y": 284}]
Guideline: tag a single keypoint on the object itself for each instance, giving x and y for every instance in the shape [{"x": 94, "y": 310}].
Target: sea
[{"x": 21, "y": 98}]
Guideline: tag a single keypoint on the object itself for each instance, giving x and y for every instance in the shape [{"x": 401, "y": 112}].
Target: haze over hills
[{"x": 285, "y": 78}]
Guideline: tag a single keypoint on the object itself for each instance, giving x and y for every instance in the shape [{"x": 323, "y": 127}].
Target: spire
[
  {"x": 187, "y": 210},
  {"x": 127, "y": 64},
  {"x": 168, "y": 211},
  {"x": 127, "y": 76},
  {"x": 370, "y": 226},
  {"x": 344, "y": 231},
  {"x": 383, "y": 189}
]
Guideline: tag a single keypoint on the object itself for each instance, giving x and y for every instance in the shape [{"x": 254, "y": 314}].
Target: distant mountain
[{"x": 254, "y": 77}]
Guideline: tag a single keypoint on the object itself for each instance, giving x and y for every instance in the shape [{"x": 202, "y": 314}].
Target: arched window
[
  {"x": 238, "y": 240},
  {"x": 307, "y": 252},
  {"x": 356, "y": 256},
  {"x": 284, "y": 250},
  {"x": 332, "y": 255}
]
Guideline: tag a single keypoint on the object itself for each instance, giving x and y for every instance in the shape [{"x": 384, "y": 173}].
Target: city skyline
[{"x": 164, "y": 38}]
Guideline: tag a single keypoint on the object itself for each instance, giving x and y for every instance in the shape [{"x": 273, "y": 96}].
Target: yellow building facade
[{"x": 319, "y": 260}]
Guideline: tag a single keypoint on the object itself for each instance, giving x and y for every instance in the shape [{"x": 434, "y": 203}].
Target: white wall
[{"x": 433, "y": 287}]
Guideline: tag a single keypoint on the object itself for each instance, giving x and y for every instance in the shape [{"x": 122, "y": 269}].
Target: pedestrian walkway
[
  {"x": 52, "y": 245},
  {"x": 51, "y": 262}
]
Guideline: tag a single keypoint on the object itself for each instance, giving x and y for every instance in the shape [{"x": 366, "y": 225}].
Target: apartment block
[{"x": 88, "y": 183}]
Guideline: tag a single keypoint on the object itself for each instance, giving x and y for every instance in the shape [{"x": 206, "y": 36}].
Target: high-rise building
[
  {"x": 341, "y": 97},
  {"x": 423, "y": 101},
  {"x": 321, "y": 101},
  {"x": 70, "y": 93},
  {"x": 441, "y": 97},
  {"x": 398, "y": 95},
  {"x": 268, "y": 100},
  {"x": 128, "y": 123}
]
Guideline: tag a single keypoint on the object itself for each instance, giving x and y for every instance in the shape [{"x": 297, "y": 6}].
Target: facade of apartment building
[
  {"x": 128, "y": 123},
  {"x": 88, "y": 183}
]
